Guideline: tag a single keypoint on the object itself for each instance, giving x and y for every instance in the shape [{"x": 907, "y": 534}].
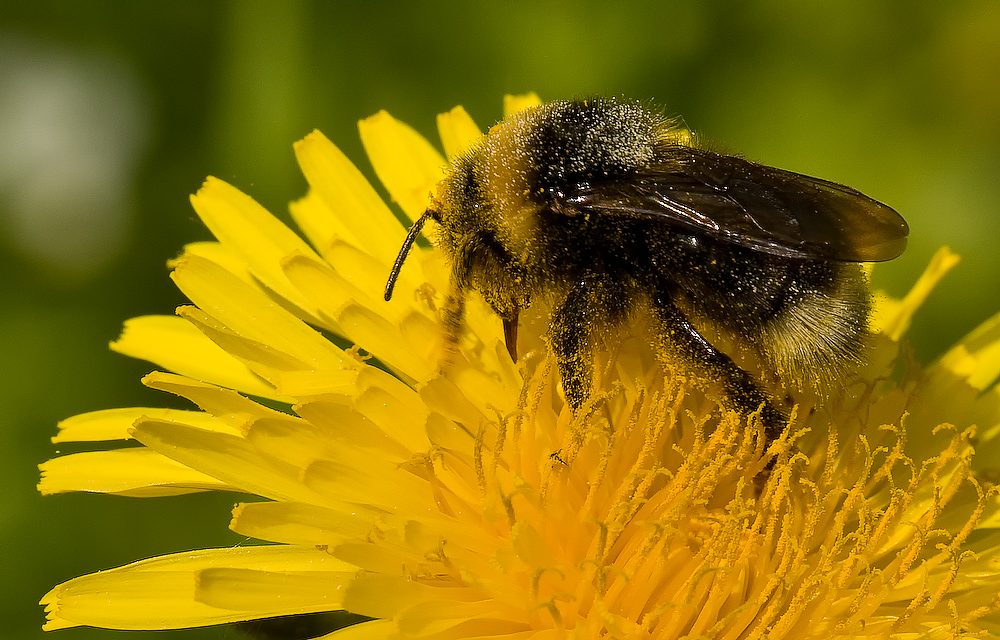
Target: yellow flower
[{"x": 472, "y": 504}]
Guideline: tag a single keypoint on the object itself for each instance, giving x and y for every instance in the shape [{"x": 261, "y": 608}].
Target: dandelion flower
[{"x": 472, "y": 503}]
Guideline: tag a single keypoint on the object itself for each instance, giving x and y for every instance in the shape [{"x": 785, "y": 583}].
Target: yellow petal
[
  {"x": 160, "y": 593},
  {"x": 530, "y": 547},
  {"x": 514, "y": 103},
  {"x": 135, "y": 472},
  {"x": 384, "y": 340},
  {"x": 977, "y": 357},
  {"x": 304, "y": 384},
  {"x": 230, "y": 459},
  {"x": 114, "y": 424},
  {"x": 485, "y": 389},
  {"x": 297, "y": 523},
  {"x": 317, "y": 280},
  {"x": 493, "y": 619},
  {"x": 351, "y": 207},
  {"x": 221, "y": 255},
  {"x": 361, "y": 318},
  {"x": 262, "y": 359},
  {"x": 404, "y": 161},
  {"x": 367, "y": 275},
  {"x": 371, "y": 630},
  {"x": 458, "y": 131},
  {"x": 443, "y": 396},
  {"x": 319, "y": 224},
  {"x": 379, "y": 558},
  {"x": 382, "y": 596},
  {"x": 176, "y": 345},
  {"x": 250, "y": 313},
  {"x": 286, "y": 591},
  {"x": 337, "y": 416},
  {"x": 226, "y": 405},
  {"x": 252, "y": 233},
  {"x": 394, "y": 407},
  {"x": 374, "y": 481},
  {"x": 893, "y": 317}
]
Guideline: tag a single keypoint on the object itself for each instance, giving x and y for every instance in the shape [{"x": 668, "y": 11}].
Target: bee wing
[{"x": 752, "y": 205}]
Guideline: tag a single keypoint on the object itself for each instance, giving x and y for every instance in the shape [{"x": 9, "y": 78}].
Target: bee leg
[
  {"x": 742, "y": 392},
  {"x": 483, "y": 264},
  {"x": 452, "y": 313},
  {"x": 570, "y": 335}
]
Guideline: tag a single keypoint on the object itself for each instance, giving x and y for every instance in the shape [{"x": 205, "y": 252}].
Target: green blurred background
[{"x": 112, "y": 112}]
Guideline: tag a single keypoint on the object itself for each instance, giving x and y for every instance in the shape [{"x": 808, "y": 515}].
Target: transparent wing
[{"x": 752, "y": 205}]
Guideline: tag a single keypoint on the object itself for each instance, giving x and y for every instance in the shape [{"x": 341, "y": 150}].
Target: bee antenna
[{"x": 411, "y": 237}]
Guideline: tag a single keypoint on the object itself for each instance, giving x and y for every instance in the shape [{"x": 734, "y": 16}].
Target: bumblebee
[{"x": 606, "y": 207}]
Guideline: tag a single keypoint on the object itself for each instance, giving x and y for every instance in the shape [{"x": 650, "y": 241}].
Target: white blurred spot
[{"x": 73, "y": 125}]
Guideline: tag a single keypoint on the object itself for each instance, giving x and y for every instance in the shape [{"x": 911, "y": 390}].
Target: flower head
[{"x": 472, "y": 503}]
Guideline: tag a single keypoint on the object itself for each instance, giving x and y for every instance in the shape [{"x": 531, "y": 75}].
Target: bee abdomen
[{"x": 820, "y": 334}]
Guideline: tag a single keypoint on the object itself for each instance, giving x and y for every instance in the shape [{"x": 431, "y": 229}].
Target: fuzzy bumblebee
[{"x": 602, "y": 207}]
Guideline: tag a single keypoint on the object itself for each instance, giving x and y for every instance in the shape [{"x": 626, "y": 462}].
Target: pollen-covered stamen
[{"x": 667, "y": 539}]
